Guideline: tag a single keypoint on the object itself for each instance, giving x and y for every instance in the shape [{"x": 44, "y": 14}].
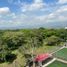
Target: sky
[{"x": 16, "y": 14}]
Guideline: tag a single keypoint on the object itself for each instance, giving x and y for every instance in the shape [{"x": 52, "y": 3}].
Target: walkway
[
  {"x": 61, "y": 60},
  {"x": 58, "y": 50},
  {"x": 56, "y": 58},
  {"x": 49, "y": 62}
]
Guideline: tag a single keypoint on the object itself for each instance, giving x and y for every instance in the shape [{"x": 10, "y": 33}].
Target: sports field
[
  {"x": 62, "y": 54},
  {"x": 57, "y": 64}
]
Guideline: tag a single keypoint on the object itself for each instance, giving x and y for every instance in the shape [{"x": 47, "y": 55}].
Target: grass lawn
[
  {"x": 57, "y": 64},
  {"x": 62, "y": 54}
]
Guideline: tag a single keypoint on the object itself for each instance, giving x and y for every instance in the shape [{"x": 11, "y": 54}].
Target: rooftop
[{"x": 42, "y": 57}]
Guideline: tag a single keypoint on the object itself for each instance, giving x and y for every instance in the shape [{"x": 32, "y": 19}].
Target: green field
[
  {"x": 62, "y": 54},
  {"x": 57, "y": 64}
]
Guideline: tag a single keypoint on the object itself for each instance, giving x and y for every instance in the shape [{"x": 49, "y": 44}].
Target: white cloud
[
  {"x": 15, "y": 2},
  {"x": 36, "y": 5},
  {"x": 29, "y": 19},
  {"x": 62, "y": 1},
  {"x": 59, "y": 15},
  {"x": 62, "y": 9},
  {"x": 4, "y": 10},
  {"x": 22, "y": 19},
  {"x": 38, "y": 1}
]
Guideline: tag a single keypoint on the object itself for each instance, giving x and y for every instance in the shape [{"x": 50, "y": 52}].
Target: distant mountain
[
  {"x": 37, "y": 25},
  {"x": 56, "y": 25}
]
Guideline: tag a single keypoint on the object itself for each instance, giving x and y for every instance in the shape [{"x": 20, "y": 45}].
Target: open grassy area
[
  {"x": 62, "y": 54},
  {"x": 57, "y": 64}
]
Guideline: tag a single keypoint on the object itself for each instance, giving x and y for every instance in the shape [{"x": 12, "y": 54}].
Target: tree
[
  {"x": 53, "y": 40},
  {"x": 13, "y": 39},
  {"x": 4, "y": 51}
]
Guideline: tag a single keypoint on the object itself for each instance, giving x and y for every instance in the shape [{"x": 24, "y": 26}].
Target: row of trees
[{"x": 25, "y": 39}]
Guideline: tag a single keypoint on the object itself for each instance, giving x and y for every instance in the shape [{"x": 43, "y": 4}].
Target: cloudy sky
[{"x": 33, "y": 13}]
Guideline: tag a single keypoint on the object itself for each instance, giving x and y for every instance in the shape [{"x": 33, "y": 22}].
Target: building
[
  {"x": 42, "y": 59},
  {"x": 39, "y": 60}
]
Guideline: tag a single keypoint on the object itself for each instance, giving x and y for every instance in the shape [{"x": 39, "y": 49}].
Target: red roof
[{"x": 42, "y": 57}]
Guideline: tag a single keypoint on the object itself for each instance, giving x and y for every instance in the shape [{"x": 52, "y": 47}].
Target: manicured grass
[
  {"x": 57, "y": 64},
  {"x": 62, "y": 54}
]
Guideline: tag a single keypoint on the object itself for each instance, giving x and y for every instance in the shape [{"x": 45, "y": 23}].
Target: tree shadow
[
  {"x": 10, "y": 58},
  {"x": 2, "y": 61}
]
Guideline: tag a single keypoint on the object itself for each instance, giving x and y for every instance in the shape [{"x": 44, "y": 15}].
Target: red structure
[
  {"x": 39, "y": 59},
  {"x": 42, "y": 57}
]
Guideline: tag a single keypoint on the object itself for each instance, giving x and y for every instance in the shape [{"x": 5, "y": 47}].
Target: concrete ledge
[{"x": 49, "y": 62}]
